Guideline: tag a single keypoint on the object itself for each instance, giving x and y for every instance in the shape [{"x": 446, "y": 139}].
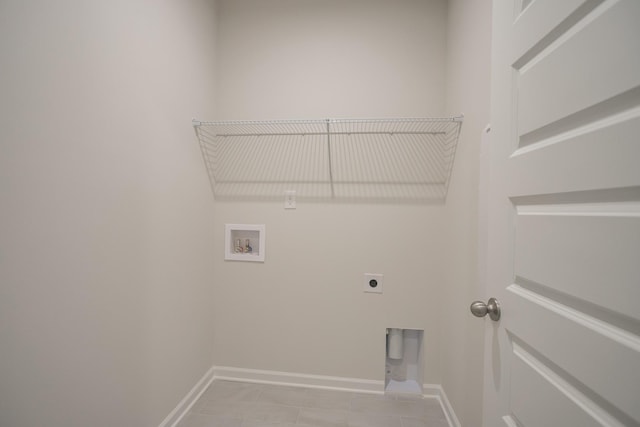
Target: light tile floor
[{"x": 237, "y": 404}]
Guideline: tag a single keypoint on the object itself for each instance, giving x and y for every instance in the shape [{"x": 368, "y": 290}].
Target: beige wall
[
  {"x": 105, "y": 220},
  {"x": 468, "y": 87},
  {"x": 304, "y": 310},
  {"x": 288, "y": 59},
  {"x": 113, "y": 287}
]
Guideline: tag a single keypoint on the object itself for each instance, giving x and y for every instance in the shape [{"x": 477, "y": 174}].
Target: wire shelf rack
[{"x": 406, "y": 159}]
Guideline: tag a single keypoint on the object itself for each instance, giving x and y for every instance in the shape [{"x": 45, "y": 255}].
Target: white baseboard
[
  {"x": 431, "y": 390},
  {"x": 297, "y": 380},
  {"x": 187, "y": 402},
  {"x": 438, "y": 392}
]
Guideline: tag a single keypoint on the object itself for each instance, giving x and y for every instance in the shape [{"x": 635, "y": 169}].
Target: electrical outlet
[
  {"x": 373, "y": 282},
  {"x": 290, "y": 199}
]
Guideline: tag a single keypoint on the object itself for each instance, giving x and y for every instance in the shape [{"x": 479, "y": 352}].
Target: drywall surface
[
  {"x": 105, "y": 247},
  {"x": 468, "y": 91},
  {"x": 290, "y": 59},
  {"x": 304, "y": 310}
]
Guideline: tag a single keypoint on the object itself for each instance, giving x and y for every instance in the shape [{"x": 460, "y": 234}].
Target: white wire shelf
[{"x": 407, "y": 159}]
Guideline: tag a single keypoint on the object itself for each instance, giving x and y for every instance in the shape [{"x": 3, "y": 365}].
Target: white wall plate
[
  {"x": 373, "y": 282},
  {"x": 244, "y": 242}
]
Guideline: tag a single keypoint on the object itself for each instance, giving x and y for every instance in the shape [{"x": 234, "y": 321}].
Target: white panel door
[{"x": 563, "y": 250}]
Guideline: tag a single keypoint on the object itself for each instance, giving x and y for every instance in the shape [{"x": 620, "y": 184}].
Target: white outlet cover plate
[
  {"x": 290, "y": 199},
  {"x": 368, "y": 277}
]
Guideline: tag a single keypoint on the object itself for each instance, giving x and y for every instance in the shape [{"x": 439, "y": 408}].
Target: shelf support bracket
[{"x": 333, "y": 194}]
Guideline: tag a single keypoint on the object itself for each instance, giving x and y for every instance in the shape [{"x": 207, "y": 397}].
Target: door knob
[{"x": 480, "y": 309}]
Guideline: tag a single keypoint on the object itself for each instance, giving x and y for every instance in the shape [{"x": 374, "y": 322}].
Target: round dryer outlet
[{"x": 373, "y": 283}]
